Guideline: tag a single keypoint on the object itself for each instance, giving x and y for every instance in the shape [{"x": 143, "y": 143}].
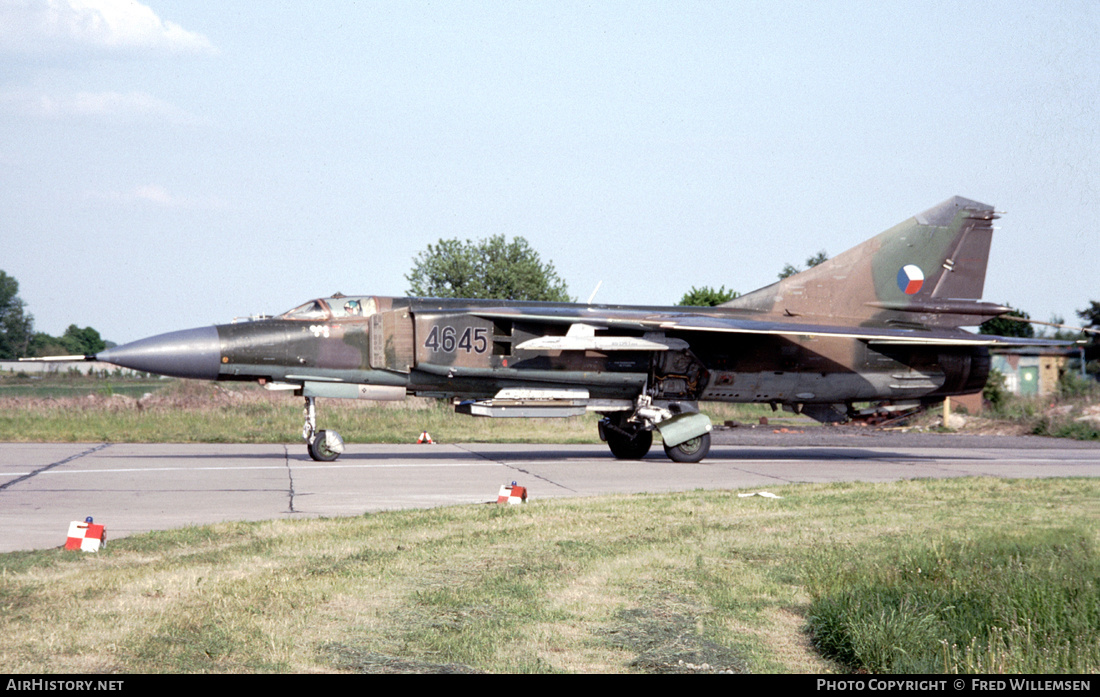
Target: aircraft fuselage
[{"x": 434, "y": 348}]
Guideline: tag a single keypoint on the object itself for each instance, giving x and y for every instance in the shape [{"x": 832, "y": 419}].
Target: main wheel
[
  {"x": 692, "y": 450},
  {"x": 629, "y": 447},
  {"x": 320, "y": 450}
]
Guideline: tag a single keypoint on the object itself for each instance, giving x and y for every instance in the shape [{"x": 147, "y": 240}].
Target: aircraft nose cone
[{"x": 191, "y": 353}]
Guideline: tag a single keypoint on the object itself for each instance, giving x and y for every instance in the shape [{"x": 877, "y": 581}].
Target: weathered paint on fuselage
[{"x": 445, "y": 348}]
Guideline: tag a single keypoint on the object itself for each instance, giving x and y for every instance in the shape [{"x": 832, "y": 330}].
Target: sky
[{"x": 168, "y": 165}]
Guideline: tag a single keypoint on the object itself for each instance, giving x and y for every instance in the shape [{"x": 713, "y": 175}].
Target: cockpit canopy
[{"x": 336, "y": 307}]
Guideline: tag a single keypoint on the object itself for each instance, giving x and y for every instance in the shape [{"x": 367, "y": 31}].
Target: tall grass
[{"x": 994, "y": 603}]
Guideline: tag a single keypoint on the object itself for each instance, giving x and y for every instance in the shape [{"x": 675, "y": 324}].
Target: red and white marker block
[
  {"x": 512, "y": 494},
  {"x": 87, "y": 537},
  {"x": 425, "y": 438}
]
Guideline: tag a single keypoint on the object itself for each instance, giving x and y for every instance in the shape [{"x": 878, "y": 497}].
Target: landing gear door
[{"x": 391, "y": 341}]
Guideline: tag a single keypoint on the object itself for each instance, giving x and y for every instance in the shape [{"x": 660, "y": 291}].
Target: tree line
[{"x": 19, "y": 340}]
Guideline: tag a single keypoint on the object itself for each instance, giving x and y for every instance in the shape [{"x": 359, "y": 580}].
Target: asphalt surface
[{"x": 134, "y": 488}]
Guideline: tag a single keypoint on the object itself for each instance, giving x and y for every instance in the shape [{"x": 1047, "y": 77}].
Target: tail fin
[{"x": 928, "y": 270}]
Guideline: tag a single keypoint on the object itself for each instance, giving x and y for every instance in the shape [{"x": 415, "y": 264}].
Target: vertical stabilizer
[{"x": 929, "y": 270}]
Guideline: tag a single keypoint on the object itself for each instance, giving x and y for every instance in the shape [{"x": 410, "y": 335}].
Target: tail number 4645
[{"x": 448, "y": 340}]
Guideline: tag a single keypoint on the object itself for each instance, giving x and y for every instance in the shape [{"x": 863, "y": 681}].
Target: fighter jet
[{"x": 878, "y": 324}]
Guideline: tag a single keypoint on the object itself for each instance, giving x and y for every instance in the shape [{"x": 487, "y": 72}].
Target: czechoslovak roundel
[{"x": 910, "y": 279}]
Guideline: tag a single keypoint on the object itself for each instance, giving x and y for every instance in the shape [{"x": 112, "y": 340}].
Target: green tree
[
  {"x": 994, "y": 391},
  {"x": 489, "y": 268},
  {"x": 791, "y": 269},
  {"x": 82, "y": 341},
  {"x": 1001, "y": 326},
  {"x": 707, "y": 296},
  {"x": 74, "y": 342},
  {"x": 43, "y": 344},
  {"x": 1091, "y": 314},
  {"x": 16, "y": 325},
  {"x": 788, "y": 270}
]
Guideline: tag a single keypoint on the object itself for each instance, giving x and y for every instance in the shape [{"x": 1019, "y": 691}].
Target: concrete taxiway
[{"x": 135, "y": 488}]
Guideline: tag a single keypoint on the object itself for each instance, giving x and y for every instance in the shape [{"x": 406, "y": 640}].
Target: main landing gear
[
  {"x": 685, "y": 432},
  {"x": 692, "y": 450},
  {"x": 323, "y": 445},
  {"x": 627, "y": 441}
]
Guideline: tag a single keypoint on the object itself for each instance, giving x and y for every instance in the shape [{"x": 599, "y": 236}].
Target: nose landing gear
[{"x": 323, "y": 445}]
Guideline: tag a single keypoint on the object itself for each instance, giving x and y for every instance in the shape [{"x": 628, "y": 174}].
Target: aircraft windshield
[
  {"x": 311, "y": 310},
  {"x": 351, "y": 307},
  {"x": 334, "y": 308}
]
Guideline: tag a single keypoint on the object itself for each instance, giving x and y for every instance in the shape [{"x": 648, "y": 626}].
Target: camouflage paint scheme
[{"x": 878, "y": 323}]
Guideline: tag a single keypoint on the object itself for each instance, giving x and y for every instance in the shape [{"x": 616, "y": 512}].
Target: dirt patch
[
  {"x": 668, "y": 642},
  {"x": 981, "y": 426},
  {"x": 349, "y": 658}
]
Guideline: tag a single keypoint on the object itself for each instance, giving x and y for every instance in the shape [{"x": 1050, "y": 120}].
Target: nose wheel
[
  {"x": 323, "y": 445},
  {"x": 326, "y": 446}
]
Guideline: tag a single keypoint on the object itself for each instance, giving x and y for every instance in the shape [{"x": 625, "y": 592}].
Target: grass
[
  {"x": 1023, "y": 602},
  {"x": 97, "y": 410},
  {"x": 114, "y": 408},
  {"x": 948, "y": 576},
  {"x": 1066, "y": 428},
  {"x": 702, "y": 581}
]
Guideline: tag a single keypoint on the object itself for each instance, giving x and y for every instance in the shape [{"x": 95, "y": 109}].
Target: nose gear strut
[{"x": 323, "y": 445}]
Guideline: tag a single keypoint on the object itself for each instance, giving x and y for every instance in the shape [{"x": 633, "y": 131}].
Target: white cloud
[
  {"x": 40, "y": 26},
  {"x": 154, "y": 193}
]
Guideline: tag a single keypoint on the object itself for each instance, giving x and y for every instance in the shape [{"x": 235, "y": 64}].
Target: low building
[{"x": 1033, "y": 372}]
